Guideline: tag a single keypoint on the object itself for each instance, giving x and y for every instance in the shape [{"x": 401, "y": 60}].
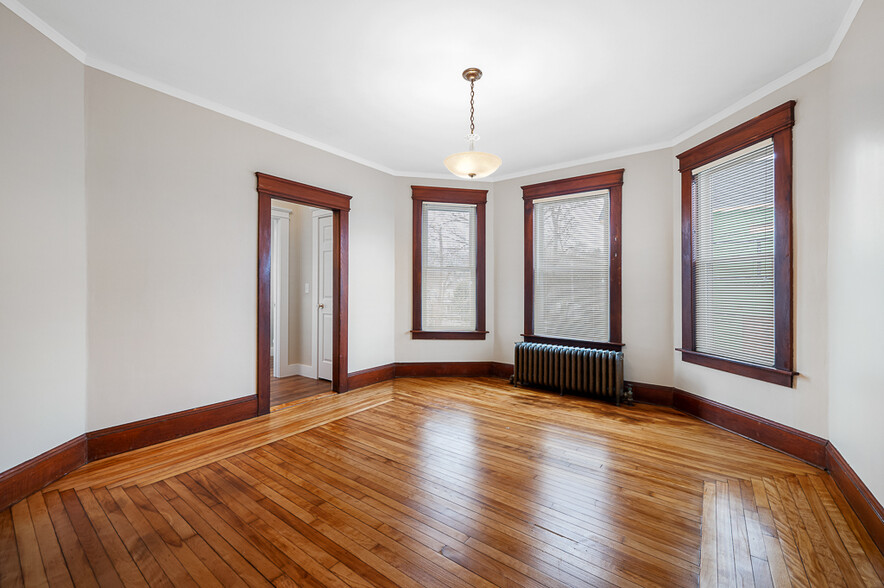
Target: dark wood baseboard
[
  {"x": 652, "y": 393},
  {"x": 370, "y": 376},
  {"x": 796, "y": 443},
  {"x": 810, "y": 448},
  {"x": 501, "y": 370},
  {"x": 122, "y": 438},
  {"x": 441, "y": 369},
  {"x": 430, "y": 369},
  {"x": 28, "y": 477},
  {"x": 859, "y": 497}
]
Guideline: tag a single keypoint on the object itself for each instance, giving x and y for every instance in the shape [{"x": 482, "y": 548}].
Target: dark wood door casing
[{"x": 270, "y": 187}]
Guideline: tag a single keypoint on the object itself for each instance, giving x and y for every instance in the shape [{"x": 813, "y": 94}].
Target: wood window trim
[
  {"x": 775, "y": 124},
  {"x": 613, "y": 182},
  {"x": 270, "y": 187},
  {"x": 419, "y": 195}
]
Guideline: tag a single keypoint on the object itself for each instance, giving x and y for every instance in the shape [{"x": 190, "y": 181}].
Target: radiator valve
[{"x": 627, "y": 395}]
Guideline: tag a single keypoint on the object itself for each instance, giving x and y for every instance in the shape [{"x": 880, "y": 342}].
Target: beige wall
[
  {"x": 42, "y": 244},
  {"x": 647, "y": 258},
  {"x": 805, "y": 405},
  {"x": 172, "y": 225},
  {"x": 856, "y": 247}
]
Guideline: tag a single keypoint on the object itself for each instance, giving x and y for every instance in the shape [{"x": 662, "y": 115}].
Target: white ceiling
[{"x": 380, "y": 81}]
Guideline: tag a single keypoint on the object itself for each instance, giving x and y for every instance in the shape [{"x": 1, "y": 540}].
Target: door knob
[{"x": 321, "y": 305}]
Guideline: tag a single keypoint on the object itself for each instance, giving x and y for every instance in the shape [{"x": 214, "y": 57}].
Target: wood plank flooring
[
  {"x": 285, "y": 391},
  {"x": 444, "y": 482}
]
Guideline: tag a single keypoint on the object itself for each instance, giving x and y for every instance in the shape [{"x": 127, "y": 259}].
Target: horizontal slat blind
[
  {"x": 448, "y": 266},
  {"x": 733, "y": 208},
  {"x": 572, "y": 266}
]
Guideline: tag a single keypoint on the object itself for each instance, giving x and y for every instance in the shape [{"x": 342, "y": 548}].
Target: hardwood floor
[
  {"x": 284, "y": 391},
  {"x": 444, "y": 482}
]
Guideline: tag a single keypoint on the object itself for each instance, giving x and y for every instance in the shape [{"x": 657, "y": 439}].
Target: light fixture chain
[{"x": 472, "y": 97}]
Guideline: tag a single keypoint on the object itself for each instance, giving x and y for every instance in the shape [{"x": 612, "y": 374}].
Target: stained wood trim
[
  {"x": 796, "y": 443},
  {"x": 776, "y": 124},
  {"x": 752, "y": 131},
  {"x": 306, "y": 194},
  {"x": 434, "y": 369},
  {"x": 652, "y": 393},
  {"x": 687, "y": 261},
  {"x": 756, "y": 372},
  {"x": 419, "y": 195},
  {"x": 263, "y": 327},
  {"x": 367, "y": 377},
  {"x": 32, "y": 475},
  {"x": 272, "y": 187},
  {"x": 599, "y": 181},
  {"x": 861, "y": 500},
  {"x": 464, "y": 335},
  {"x": 430, "y": 369},
  {"x": 613, "y": 182},
  {"x": 340, "y": 301},
  {"x": 501, "y": 370},
  {"x": 442, "y": 194},
  {"x": 122, "y": 438},
  {"x": 607, "y": 345}
]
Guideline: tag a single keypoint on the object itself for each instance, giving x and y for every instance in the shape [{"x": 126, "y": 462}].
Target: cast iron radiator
[{"x": 570, "y": 369}]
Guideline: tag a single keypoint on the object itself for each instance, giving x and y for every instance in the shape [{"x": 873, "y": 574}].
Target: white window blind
[
  {"x": 733, "y": 219},
  {"x": 448, "y": 266},
  {"x": 572, "y": 266}
]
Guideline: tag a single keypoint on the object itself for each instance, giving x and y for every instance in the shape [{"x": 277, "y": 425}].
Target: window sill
[
  {"x": 606, "y": 345},
  {"x": 462, "y": 335},
  {"x": 756, "y": 372}
]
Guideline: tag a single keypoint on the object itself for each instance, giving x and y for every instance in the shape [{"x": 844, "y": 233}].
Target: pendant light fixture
[{"x": 472, "y": 164}]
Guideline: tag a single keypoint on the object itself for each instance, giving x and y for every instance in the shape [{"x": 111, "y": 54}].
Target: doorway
[
  {"x": 301, "y": 302},
  {"x": 326, "y": 214}
]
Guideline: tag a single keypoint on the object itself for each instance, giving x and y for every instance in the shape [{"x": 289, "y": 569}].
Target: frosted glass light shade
[{"x": 472, "y": 164}]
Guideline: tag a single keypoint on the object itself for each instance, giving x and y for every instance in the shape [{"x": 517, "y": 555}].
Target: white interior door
[{"x": 323, "y": 286}]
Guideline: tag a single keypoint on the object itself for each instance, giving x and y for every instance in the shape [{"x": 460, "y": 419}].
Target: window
[
  {"x": 737, "y": 249},
  {"x": 449, "y": 263},
  {"x": 572, "y": 261}
]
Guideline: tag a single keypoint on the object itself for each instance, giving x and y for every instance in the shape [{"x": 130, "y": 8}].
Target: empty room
[{"x": 467, "y": 294}]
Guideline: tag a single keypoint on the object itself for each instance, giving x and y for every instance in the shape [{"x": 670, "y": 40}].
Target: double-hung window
[
  {"x": 572, "y": 261},
  {"x": 737, "y": 249},
  {"x": 449, "y": 263}
]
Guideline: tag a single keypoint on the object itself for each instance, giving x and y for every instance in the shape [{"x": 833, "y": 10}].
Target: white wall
[
  {"x": 856, "y": 247},
  {"x": 805, "y": 405},
  {"x": 42, "y": 244},
  {"x": 172, "y": 218},
  {"x": 647, "y": 258}
]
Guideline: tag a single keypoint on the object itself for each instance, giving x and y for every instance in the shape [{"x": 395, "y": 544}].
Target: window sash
[
  {"x": 733, "y": 267},
  {"x": 571, "y": 244},
  {"x": 449, "y": 253}
]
